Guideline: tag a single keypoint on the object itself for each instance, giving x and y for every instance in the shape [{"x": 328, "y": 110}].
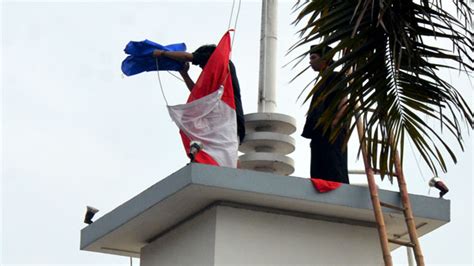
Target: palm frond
[{"x": 389, "y": 64}]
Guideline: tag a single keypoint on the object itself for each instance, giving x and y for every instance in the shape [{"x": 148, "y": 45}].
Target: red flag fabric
[
  {"x": 209, "y": 115},
  {"x": 323, "y": 186},
  {"x": 216, "y": 73}
]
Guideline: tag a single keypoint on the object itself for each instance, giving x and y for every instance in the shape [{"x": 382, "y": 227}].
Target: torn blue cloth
[{"x": 140, "y": 57}]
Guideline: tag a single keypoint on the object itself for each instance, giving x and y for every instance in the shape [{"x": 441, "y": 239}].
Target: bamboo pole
[
  {"x": 374, "y": 195},
  {"x": 410, "y": 221}
]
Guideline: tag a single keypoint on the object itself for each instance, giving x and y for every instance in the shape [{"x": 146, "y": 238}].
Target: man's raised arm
[
  {"x": 175, "y": 55},
  {"x": 182, "y": 57}
]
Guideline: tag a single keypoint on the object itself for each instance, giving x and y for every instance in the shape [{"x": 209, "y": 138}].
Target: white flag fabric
[{"x": 212, "y": 122}]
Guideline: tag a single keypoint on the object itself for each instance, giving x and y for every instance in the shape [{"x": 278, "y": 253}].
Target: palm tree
[{"x": 389, "y": 65}]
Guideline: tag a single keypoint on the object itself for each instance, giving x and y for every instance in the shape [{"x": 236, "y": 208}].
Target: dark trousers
[{"x": 329, "y": 160}]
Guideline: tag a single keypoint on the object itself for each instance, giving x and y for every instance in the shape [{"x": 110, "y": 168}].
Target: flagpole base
[
  {"x": 267, "y": 162},
  {"x": 267, "y": 143}
]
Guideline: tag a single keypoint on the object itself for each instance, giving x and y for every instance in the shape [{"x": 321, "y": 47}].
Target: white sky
[{"x": 75, "y": 132}]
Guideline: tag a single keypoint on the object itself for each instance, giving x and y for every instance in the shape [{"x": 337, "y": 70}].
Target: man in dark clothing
[
  {"x": 328, "y": 160},
  {"x": 200, "y": 57}
]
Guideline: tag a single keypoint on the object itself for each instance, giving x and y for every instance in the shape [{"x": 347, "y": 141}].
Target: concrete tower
[{"x": 206, "y": 215}]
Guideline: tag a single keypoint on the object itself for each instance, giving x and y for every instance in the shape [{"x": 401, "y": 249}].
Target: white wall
[
  {"x": 191, "y": 243},
  {"x": 251, "y": 237},
  {"x": 234, "y": 236}
]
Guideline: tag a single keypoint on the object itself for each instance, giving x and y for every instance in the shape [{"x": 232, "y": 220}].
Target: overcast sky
[{"x": 76, "y": 132}]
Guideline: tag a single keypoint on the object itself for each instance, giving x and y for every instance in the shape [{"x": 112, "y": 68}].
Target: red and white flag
[{"x": 209, "y": 115}]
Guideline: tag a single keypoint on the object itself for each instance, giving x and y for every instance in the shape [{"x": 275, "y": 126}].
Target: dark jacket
[{"x": 310, "y": 130}]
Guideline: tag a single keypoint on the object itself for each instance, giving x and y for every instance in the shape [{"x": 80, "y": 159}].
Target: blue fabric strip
[{"x": 140, "y": 57}]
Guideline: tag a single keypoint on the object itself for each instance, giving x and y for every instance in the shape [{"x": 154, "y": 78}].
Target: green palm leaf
[{"x": 389, "y": 66}]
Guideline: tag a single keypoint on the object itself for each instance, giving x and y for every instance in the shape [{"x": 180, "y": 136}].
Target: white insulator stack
[{"x": 268, "y": 141}]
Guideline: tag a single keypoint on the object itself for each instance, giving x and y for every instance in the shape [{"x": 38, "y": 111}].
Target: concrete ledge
[{"x": 132, "y": 225}]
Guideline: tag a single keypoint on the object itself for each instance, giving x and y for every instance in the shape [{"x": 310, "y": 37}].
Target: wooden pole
[
  {"x": 374, "y": 195},
  {"x": 410, "y": 221}
]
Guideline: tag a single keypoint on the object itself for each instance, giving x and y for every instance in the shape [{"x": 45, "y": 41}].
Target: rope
[
  {"x": 236, "y": 19},
  {"x": 178, "y": 78},
  {"x": 416, "y": 160},
  {"x": 159, "y": 81},
  {"x": 231, "y": 14},
  {"x": 235, "y": 24}
]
